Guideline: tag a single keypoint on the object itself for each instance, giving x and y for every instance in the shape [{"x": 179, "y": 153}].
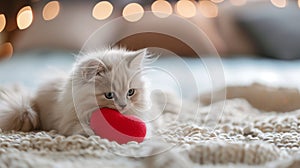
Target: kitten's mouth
[
  {"x": 120, "y": 110},
  {"x": 123, "y": 111}
]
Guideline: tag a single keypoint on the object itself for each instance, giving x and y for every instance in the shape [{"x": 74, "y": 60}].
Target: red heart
[{"x": 114, "y": 126}]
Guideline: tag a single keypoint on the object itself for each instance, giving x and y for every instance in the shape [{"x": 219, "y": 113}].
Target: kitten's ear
[
  {"x": 136, "y": 59},
  {"x": 91, "y": 68}
]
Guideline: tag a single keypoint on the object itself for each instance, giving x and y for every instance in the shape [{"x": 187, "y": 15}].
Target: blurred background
[{"x": 258, "y": 40}]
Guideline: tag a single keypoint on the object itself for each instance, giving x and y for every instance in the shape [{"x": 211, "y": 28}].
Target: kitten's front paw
[{"x": 149, "y": 132}]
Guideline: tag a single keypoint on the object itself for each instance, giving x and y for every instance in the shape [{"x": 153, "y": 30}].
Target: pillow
[
  {"x": 276, "y": 31},
  {"x": 237, "y": 39}
]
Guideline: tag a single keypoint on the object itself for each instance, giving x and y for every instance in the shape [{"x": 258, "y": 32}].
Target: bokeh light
[
  {"x": 161, "y": 8},
  {"x": 299, "y": 3},
  {"x": 208, "y": 9},
  {"x": 51, "y": 10},
  {"x": 24, "y": 17},
  {"x": 2, "y": 22},
  {"x": 102, "y": 10},
  {"x": 279, "y": 3},
  {"x": 217, "y": 1},
  {"x": 238, "y": 2},
  {"x": 6, "y": 50},
  {"x": 186, "y": 8},
  {"x": 133, "y": 12}
]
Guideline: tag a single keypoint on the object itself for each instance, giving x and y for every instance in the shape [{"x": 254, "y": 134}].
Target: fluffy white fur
[
  {"x": 17, "y": 110},
  {"x": 65, "y": 103}
]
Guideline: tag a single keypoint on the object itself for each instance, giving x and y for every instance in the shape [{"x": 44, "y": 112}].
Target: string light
[
  {"x": 208, "y": 9},
  {"x": 161, "y": 8},
  {"x": 24, "y": 17},
  {"x": 2, "y": 22},
  {"x": 238, "y": 2},
  {"x": 186, "y": 8},
  {"x": 133, "y": 12},
  {"x": 279, "y": 3},
  {"x": 6, "y": 50},
  {"x": 102, "y": 10},
  {"x": 51, "y": 10}
]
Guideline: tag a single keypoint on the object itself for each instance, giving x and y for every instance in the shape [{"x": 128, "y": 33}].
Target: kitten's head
[{"x": 114, "y": 77}]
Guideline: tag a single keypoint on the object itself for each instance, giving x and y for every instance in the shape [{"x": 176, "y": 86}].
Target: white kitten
[{"x": 110, "y": 78}]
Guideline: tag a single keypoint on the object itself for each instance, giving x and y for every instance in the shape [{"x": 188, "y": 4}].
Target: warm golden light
[
  {"x": 102, "y": 10},
  {"x": 133, "y": 12},
  {"x": 51, "y": 10},
  {"x": 279, "y": 3},
  {"x": 186, "y": 8},
  {"x": 217, "y": 1},
  {"x": 24, "y": 17},
  {"x": 6, "y": 50},
  {"x": 161, "y": 8},
  {"x": 238, "y": 2},
  {"x": 208, "y": 9},
  {"x": 299, "y": 3},
  {"x": 2, "y": 22}
]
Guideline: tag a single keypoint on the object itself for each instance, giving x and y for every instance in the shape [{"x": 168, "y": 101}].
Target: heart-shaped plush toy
[{"x": 114, "y": 126}]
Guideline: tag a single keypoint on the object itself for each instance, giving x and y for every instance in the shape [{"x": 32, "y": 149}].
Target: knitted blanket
[{"x": 244, "y": 137}]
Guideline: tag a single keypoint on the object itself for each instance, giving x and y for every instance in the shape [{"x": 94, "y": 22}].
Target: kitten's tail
[{"x": 17, "y": 110}]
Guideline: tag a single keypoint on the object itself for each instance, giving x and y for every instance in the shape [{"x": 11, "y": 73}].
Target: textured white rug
[{"x": 244, "y": 137}]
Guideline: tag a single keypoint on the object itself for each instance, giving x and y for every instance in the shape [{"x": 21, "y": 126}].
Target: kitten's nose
[{"x": 122, "y": 105}]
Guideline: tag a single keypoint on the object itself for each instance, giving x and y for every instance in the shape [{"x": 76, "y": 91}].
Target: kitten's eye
[
  {"x": 109, "y": 95},
  {"x": 130, "y": 92}
]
